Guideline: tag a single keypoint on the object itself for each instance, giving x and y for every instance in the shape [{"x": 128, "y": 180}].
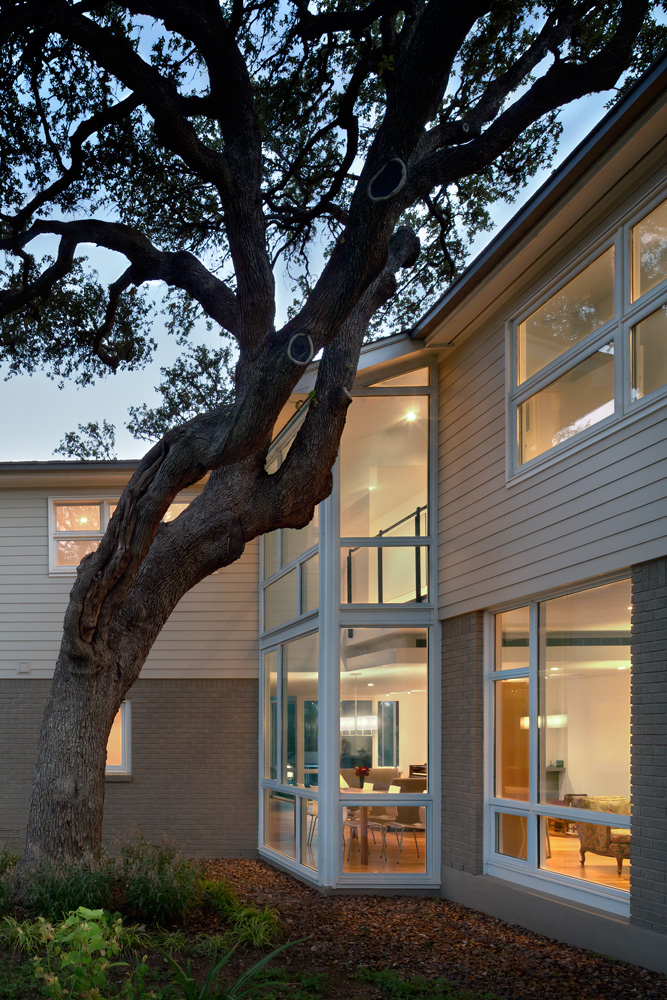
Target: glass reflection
[
  {"x": 383, "y": 463},
  {"x": 384, "y": 708},
  {"x": 581, "y": 306}
]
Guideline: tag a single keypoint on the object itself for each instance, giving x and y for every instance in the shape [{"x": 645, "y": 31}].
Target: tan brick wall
[
  {"x": 462, "y": 743},
  {"x": 194, "y": 764},
  {"x": 648, "y": 852}
]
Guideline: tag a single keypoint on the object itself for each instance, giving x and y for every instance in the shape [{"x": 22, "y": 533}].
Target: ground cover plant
[{"x": 249, "y": 932}]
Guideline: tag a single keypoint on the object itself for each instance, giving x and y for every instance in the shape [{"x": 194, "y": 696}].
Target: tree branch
[
  {"x": 563, "y": 82},
  {"x": 178, "y": 269}
]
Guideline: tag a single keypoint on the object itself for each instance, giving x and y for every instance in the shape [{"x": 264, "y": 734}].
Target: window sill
[{"x": 117, "y": 776}]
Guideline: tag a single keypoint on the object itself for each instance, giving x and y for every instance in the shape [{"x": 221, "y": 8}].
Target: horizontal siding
[
  {"x": 595, "y": 511},
  {"x": 213, "y": 629}
]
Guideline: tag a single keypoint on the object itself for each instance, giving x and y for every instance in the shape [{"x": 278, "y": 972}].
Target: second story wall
[
  {"x": 594, "y": 504},
  {"x": 211, "y": 633}
]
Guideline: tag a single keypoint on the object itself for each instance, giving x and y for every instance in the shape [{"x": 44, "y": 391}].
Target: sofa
[{"x": 595, "y": 838}]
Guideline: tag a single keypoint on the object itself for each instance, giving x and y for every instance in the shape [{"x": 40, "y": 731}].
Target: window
[
  {"x": 383, "y": 499},
  {"x": 596, "y": 347},
  {"x": 77, "y": 527},
  {"x": 560, "y": 713},
  {"x": 118, "y": 744}
]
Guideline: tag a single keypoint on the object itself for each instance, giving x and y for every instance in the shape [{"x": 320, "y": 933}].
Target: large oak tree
[{"x": 210, "y": 142}]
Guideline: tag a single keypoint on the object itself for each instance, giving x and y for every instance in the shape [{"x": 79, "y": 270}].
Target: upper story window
[
  {"x": 596, "y": 346},
  {"x": 384, "y": 497},
  {"x": 77, "y": 527}
]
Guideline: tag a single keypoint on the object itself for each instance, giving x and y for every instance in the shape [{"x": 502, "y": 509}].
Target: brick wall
[
  {"x": 648, "y": 894},
  {"x": 194, "y": 764},
  {"x": 462, "y": 743}
]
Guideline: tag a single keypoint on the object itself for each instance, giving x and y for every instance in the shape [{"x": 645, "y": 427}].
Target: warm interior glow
[{"x": 115, "y": 743}]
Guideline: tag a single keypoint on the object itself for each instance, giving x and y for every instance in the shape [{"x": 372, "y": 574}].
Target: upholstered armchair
[{"x": 608, "y": 841}]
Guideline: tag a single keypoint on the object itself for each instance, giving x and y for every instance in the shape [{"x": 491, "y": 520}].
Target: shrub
[
  {"x": 256, "y": 927},
  {"x": 7, "y": 859},
  {"x": 52, "y": 889},
  {"x": 158, "y": 884},
  {"x": 78, "y": 954}
]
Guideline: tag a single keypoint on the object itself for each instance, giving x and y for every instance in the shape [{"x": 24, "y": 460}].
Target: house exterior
[{"x": 477, "y": 614}]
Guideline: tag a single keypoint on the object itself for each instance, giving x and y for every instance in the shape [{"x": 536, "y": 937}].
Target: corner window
[
  {"x": 570, "y": 355},
  {"x": 560, "y": 707},
  {"x": 118, "y": 744}
]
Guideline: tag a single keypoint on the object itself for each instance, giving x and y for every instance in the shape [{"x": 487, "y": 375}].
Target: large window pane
[
  {"x": 580, "y": 307},
  {"x": 649, "y": 354},
  {"x": 383, "y": 463},
  {"x": 589, "y": 851},
  {"x": 270, "y": 542},
  {"x": 271, "y": 715},
  {"x": 298, "y": 540},
  {"x": 384, "y": 705},
  {"x": 280, "y": 822},
  {"x": 572, "y": 403},
  {"x": 280, "y": 601},
  {"x": 512, "y": 640},
  {"x": 384, "y": 839},
  {"x": 310, "y": 833},
  {"x": 384, "y": 575},
  {"x": 585, "y": 694},
  {"x": 649, "y": 251},
  {"x": 512, "y": 835},
  {"x": 512, "y": 731},
  {"x": 310, "y": 585},
  {"x": 300, "y": 712}
]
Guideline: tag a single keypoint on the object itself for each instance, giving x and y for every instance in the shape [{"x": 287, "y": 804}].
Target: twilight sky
[{"x": 35, "y": 414}]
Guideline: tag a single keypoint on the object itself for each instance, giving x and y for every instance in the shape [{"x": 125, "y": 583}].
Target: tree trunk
[{"x": 67, "y": 801}]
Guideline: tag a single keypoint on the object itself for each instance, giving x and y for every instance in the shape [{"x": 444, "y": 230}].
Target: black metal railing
[{"x": 419, "y": 596}]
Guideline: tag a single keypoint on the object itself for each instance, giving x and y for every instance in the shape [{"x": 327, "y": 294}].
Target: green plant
[
  {"x": 78, "y": 953},
  {"x": 243, "y": 986},
  {"x": 26, "y": 936},
  {"x": 7, "y": 859},
  {"x": 255, "y": 927},
  {"x": 417, "y": 987},
  {"x": 158, "y": 884},
  {"x": 52, "y": 889},
  {"x": 217, "y": 895}
]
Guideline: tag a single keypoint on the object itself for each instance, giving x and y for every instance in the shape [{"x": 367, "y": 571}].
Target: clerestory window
[{"x": 595, "y": 350}]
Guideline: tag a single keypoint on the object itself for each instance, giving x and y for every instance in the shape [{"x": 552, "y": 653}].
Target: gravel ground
[{"x": 430, "y": 937}]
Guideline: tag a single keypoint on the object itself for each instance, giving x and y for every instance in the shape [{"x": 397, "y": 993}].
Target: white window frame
[
  {"x": 125, "y": 766},
  {"x": 627, "y": 314},
  {"x": 527, "y": 872},
  {"x": 330, "y": 619},
  {"x": 104, "y": 502}
]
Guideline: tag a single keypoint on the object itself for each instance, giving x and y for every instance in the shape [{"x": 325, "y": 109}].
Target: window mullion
[{"x": 533, "y": 729}]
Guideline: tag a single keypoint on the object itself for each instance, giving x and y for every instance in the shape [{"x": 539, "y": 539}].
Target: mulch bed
[{"x": 430, "y": 937}]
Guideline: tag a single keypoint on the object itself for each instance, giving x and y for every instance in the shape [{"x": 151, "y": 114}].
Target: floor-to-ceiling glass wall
[{"x": 348, "y": 771}]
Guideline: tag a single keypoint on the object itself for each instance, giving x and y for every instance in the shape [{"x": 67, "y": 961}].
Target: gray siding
[
  {"x": 596, "y": 510},
  {"x": 194, "y": 764},
  {"x": 212, "y": 632}
]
